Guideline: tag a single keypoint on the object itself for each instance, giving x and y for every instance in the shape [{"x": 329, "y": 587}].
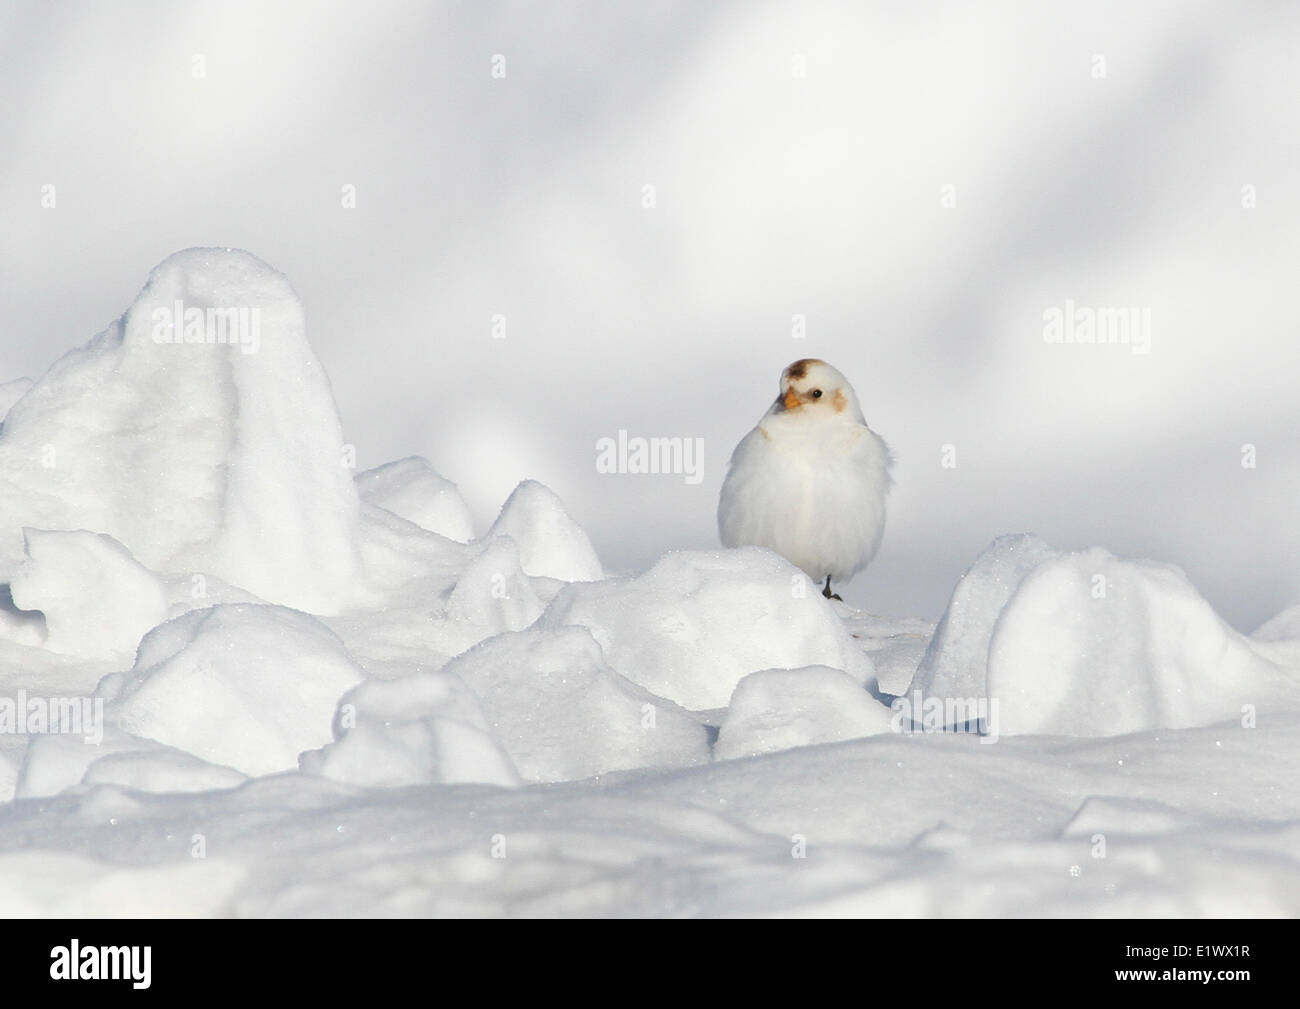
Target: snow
[
  {"x": 98, "y": 601},
  {"x": 562, "y": 713},
  {"x": 493, "y": 594},
  {"x": 696, "y": 623},
  {"x": 196, "y": 456},
  {"x": 1092, "y": 644},
  {"x": 780, "y": 709},
  {"x": 246, "y": 686},
  {"x": 410, "y": 489},
  {"x": 955, "y": 663},
  {"x": 424, "y": 728},
  {"x": 551, "y": 544},
  {"x": 1086, "y": 643},
  {"x": 11, "y": 393},
  {"x": 305, "y": 694}
]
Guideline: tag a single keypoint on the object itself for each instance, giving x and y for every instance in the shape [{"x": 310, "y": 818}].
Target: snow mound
[
  {"x": 245, "y": 686},
  {"x": 98, "y": 601},
  {"x": 493, "y": 594},
  {"x": 696, "y": 623},
  {"x": 1091, "y": 644},
  {"x": 551, "y": 544},
  {"x": 779, "y": 709},
  {"x": 410, "y": 489},
  {"x": 161, "y": 769},
  {"x": 561, "y": 713},
  {"x": 425, "y": 728},
  {"x": 204, "y": 439},
  {"x": 956, "y": 662},
  {"x": 56, "y": 762}
]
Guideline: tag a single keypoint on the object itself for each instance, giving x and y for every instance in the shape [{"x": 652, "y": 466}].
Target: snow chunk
[
  {"x": 246, "y": 686},
  {"x": 562, "y": 713},
  {"x": 779, "y": 709},
  {"x": 696, "y": 623},
  {"x": 1091, "y": 644},
  {"x": 956, "y": 662},
  {"x": 493, "y": 594},
  {"x": 197, "y": 456},
  {"x": 410, "y": 489},
  {"x": 56, "y": 762},
  {"x": 161, "y": 769},
  {"x": 425, "y": 728},
  {"x": 98, "y": 601},
  {"x": 551, "y": 544}
]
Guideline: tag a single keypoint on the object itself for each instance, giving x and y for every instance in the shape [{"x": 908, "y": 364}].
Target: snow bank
[
  {"x": 245, "y": 686},
  {"x": 1087, "y": 643},
  {"x": 412, "y": 490},
  {"x": 778, "y": 709},
  {"x": 197, "y": 456},
  {"x": 561, "y": 712},
  {"x": 425, "y": 728},
  {"x": 551, "y": 544},
  {"x": 696, "y": 623},
  {"x": 98, "y": 601}
]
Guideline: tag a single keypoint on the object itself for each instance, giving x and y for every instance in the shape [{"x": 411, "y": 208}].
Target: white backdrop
[{"x": 801, "y": 157}]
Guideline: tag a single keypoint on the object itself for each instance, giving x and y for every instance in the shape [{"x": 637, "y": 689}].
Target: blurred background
[{"x": 576, "y": 218}]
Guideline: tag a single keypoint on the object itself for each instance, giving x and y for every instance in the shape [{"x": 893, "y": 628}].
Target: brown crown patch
[{"x": 800, "y": 368}]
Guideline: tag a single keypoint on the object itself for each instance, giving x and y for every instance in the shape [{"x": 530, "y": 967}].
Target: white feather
[{"x": 810, "y": 482}]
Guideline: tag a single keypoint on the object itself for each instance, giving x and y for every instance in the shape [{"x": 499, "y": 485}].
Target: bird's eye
[{"x": 816, "y": 394}]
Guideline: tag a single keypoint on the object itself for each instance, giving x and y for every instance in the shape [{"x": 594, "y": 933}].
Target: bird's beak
[{"x": 791, "y": 400}]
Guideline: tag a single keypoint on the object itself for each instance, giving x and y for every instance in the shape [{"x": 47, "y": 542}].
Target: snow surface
[{"x": 318, "y": 695}]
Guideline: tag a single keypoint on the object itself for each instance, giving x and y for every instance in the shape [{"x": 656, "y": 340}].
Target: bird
[{"x": 810, "y": 480}]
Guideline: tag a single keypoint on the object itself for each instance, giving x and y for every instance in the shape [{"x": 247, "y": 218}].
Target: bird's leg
[{"x": 827, "y": 591}]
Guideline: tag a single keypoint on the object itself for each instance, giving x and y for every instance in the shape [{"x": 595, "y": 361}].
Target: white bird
[{"x": 810, "y": 480}]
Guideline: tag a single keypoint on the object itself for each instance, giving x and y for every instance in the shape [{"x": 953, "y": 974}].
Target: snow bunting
[{"x": 810, "y": 480}]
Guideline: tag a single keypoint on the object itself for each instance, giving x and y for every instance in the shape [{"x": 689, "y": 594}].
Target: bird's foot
[{"x": 826, "y": 591}]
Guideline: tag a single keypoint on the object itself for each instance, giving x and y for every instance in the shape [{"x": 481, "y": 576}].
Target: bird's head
[{"x": 815, "y": 388}]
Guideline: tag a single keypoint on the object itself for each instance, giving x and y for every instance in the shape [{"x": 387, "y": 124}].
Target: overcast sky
[{"x": 921, "y": 183}]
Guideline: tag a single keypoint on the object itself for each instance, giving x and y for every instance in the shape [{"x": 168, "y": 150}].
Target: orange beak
[{"x": 791, "y": 400}]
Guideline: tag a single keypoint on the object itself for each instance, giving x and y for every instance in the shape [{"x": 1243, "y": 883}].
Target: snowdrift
[{"x": 208, "y": 614}]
